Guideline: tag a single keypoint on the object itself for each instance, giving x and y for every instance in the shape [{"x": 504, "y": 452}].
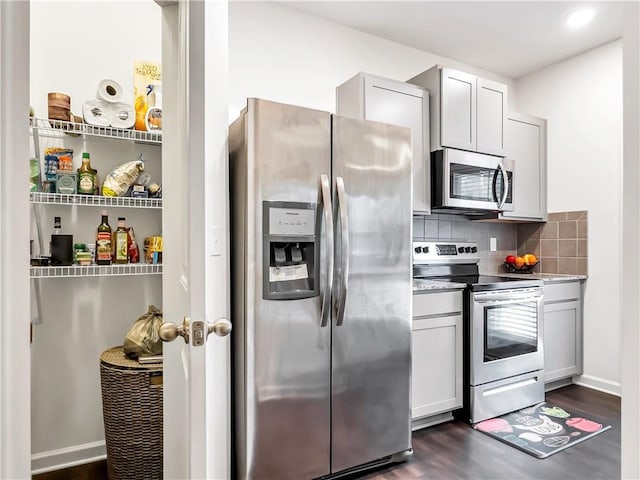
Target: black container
[{"x": 62, "y": 250}]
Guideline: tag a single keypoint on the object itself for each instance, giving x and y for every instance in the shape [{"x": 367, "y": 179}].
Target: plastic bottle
[
  {"x": 103, "y": 241},
  {"x": 121, "y": 238},
  {"x": 153, "y": 117}
]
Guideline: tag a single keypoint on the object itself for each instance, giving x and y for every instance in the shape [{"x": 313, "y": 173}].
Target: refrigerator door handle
[
  {"x": 324, "y": 198},
  {"x": 341, "y": 300}
]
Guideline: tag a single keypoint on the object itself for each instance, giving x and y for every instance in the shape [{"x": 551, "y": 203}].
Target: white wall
[
  {"x": 582, "y": 100},
  {"x": 73, "y": 46},
  {"x": 279, "y": 54}
]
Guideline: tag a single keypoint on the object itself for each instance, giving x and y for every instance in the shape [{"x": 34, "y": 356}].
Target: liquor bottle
[
  {"x": 86, "y": 176},
  {"x": 120, "y": 239},
  {"x": 57, "y": 226},
  {"x": 103, "y": 241},
  {"x": 61, "y": 246}
]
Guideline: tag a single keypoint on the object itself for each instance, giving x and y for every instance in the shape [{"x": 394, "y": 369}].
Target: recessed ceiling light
[{"x": 580, "y": 18}]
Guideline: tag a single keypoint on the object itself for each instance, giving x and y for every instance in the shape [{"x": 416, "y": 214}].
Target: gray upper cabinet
[
  {"x": 458, "y": 113},
  {"x": 467, "y": 112},
  {"x": 490, "y": 129},
  {"x": 391, "y": 101},
  {"x": 526, "y": 144}
]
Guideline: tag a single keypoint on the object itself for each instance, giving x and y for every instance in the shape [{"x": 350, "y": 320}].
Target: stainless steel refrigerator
[{"x": 321, "y": 292}]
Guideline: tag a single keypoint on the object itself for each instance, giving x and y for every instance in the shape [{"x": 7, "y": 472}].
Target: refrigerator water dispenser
[{"x": 290, "y": 250}]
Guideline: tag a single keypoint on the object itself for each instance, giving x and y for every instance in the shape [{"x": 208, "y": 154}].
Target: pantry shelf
[
  {"x": 60, "y": 129},
  {"x": 94, "y": 200},
  {"x": 96, "y": 270}
]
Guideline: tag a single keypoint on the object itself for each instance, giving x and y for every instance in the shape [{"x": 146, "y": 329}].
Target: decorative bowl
[{"x": 511, "y": 267}]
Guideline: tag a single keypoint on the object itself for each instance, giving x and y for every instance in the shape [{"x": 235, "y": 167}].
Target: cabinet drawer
[
  {"x": 557, "y": 292},
  {"x": 437, "y": 303}
]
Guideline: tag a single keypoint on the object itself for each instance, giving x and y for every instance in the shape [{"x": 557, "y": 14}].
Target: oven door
[
  {"x": 475, "y": 181},
  {"x": 506, "y": 334}
]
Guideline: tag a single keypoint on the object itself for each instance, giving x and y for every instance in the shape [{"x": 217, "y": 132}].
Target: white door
[
  {"x": 15, "y": 367},
  {"x": 195, "y": 230},
  {"x": 196, "y": 266}
]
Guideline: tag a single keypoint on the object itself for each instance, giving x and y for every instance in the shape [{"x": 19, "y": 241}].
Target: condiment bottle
[
  {"x": 121, "y": 237},
  {"x": 86, "y": 176},
  {"x": 103, "y": 241}
]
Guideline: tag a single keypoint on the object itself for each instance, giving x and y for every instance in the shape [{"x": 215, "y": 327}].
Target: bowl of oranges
[{"x": 522, "y": 263}]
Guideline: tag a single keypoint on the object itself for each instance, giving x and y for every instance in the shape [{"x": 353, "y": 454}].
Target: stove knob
[
  {"x": 425, "y": 249},
  {"x": 474, "y": 249},
  {"x": 467, "y": 249},
  {"x": 418, "y": 249},
  {"x": 460, "y": 249}
]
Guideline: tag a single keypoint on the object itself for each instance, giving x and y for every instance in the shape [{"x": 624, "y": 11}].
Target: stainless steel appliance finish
[
  {"x": 321, "y": 383},
  {"x": 471, "y": 181},
  {"x": 492, "y": 399},
  {"x": 506, "y": 338},
  {"x": 503, "y": 324}
]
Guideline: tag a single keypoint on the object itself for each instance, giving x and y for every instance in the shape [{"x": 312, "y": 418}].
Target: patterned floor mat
[{"x": 542, "y": 430}]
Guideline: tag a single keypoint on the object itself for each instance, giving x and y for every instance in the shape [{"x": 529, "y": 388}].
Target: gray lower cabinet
[
  {"x": 562, "y": 330},
  {"x": 398, "y": 103},
  {"x": 436, "y": 386}
]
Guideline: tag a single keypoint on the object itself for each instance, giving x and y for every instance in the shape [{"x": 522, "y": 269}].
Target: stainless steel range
[{"x": 503, "y": 318}]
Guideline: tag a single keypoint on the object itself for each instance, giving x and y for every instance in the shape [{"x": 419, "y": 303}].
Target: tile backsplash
[
  {"x": 458, "y": 227},
  {"x": 561, "y": 244}
]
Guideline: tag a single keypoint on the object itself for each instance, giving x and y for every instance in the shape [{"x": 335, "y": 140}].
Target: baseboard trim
[
  {"x": 68, "y": 457},
  {"x": 431, "y": 421},
  {"x": 600, "y": 384}
]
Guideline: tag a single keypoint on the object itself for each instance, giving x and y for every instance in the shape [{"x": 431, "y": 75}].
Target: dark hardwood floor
[{"x": 454, "y": 450}]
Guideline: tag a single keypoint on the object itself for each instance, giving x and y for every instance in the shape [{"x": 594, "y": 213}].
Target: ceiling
[{"x": 510, "y": 38}]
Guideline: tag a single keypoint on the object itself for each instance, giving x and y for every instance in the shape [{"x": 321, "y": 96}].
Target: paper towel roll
[
  {"x": 97, "y": 113},
  {"x": 109, "y": 91},
  {"x": 123, "y": 115}
]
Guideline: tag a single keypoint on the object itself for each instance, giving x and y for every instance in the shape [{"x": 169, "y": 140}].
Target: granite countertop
[
  {"x": 546, "y": 277},
  {"x": 420, "y": 285}
]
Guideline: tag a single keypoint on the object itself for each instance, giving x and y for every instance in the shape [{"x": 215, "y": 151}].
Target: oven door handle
[{"x": 507, "y": 297}]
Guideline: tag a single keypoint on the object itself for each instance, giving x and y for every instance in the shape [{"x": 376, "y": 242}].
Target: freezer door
[
  {"x": 282, "y": 351},
  {"x": 371, "y": 334}
]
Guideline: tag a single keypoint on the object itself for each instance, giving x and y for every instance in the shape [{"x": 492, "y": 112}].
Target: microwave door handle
[
  {"x": 505, "y": 186},
  {"x": 324, "y": 198},
  {"x": 341, "y": 299}
]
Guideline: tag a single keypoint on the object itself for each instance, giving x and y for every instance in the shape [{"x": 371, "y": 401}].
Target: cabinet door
[
  {"x": 436, "y": 380},
  {"x": 562, "y": 340},
  {"x": 526, "y": 144},
  {"x": 492, "y": 106},
  {"x": 458, "y": 110},
  {"x": 407, "y": 106}
]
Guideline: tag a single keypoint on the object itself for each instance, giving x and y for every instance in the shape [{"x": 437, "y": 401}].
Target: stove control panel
[{"x": 445, "y": 252}]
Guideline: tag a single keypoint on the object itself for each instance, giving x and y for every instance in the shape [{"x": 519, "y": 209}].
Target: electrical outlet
[{"x": 493, "y": 244}]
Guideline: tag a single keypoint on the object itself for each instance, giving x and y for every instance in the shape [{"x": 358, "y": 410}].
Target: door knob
[
  {"x": 221, "y": 327},
  {"x": 170, "y": 331}
]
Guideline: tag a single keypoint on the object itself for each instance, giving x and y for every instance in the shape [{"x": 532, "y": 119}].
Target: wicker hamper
[{"x": 132, "y": 411}]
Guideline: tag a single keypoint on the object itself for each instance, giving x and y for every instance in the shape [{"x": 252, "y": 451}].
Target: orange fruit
[
  {"x": 519, "y": 262},
  {"x": 529, "y": 259}
]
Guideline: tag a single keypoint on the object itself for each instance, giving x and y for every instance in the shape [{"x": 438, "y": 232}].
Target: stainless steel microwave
[{"x": 469, "y": 181}]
